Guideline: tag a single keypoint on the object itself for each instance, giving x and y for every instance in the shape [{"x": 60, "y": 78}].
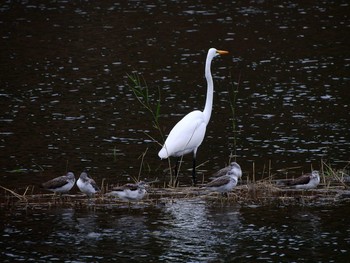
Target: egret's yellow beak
[{"x": 222, "y": 52}]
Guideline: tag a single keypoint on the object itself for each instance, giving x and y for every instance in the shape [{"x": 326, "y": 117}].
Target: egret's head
[{"x": 213, "y": 52}]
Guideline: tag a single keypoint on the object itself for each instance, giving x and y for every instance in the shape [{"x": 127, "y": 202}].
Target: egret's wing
[{"x": 186, "y": 135}]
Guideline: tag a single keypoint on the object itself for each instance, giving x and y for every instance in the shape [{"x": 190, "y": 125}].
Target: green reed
[
  {"x": 144, "y": 96},
  {"x": 233, "y": 94},
  {"x": 142, "y": 93}
]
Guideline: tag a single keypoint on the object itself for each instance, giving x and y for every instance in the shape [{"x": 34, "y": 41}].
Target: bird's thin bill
[{"x": 222, "y": 52}]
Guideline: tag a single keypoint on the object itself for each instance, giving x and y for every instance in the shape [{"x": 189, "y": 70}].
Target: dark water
[
  {"x": 66, "y": 105},
  {"x": 181, "y": 231}
]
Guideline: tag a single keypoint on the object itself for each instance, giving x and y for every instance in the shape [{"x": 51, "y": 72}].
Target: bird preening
[{"x": 188, "y": 134}]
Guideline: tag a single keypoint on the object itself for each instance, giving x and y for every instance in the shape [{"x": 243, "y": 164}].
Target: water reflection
[{"x": 190, "y": 230}]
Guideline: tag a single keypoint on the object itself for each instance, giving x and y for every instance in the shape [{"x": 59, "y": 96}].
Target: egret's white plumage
[{"x": 188, "y": 134}]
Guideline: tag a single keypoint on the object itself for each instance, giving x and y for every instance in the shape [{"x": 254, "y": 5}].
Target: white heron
[{"x": 188, "y": 134}]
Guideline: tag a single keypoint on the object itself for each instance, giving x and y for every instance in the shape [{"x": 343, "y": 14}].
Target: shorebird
[
  {"x": 225, "y": 170},
  {"x": 130, "y": 192},
  {"x": 87, "y": 185},
  {"x": 306, "y": 181},
  {"x": 226, "y": 182},
  {"x": 61, "y": 184}
]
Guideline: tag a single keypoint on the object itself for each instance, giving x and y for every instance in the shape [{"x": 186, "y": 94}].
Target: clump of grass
[
  {"x": 233, "y": 94},
  {"x": 331, "y": 175},
  {"x": 141, "y": 92},
  {"x": 143, "y": 95},
  {"x": 20, "y": 197}
]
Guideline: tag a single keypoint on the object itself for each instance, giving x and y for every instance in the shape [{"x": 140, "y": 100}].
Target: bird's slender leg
[
  {"x": 225, "y": 194},
  {"x": 176, "y": 171},
  {"x": 176, "y": 167},
  {"x": 194, "y": 178}
]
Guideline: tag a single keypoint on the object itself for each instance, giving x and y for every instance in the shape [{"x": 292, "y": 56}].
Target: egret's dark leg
[
  {"x": 194, "y": 178},
  {"x": 176, "y": 171},
  {"x": 177, "y": 166}
]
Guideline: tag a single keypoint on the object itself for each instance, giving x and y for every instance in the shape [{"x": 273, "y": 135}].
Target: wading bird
[
  {"x": 225, "y": 183},
  {"x": 87, "y": 185},
  {"x": 306, "y": 181},
  {"x": 225, "y": 170},
  {"x": 130, "y": 192},
  {"x": 61, "y": 184},
  {"x": 188, "y": 134}
]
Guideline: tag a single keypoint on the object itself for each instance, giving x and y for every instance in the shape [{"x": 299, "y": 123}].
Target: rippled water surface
[
  {"x": 180, "y": 231},
  {"x": 66, "y": 104}
]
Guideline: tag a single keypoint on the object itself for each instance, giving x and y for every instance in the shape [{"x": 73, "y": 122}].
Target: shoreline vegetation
[{"x": 333, "y": 189}]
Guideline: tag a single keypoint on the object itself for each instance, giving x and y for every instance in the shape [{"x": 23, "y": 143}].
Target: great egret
[
  {"x": 61, "y": 184},
  {"x": 306, "y": 181},
  {"x": 87, "y": 185},
  {"x": 188, "y": 134}
]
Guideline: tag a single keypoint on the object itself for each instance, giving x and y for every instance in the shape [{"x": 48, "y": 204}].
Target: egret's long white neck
[{"x": 210, "y": 89}]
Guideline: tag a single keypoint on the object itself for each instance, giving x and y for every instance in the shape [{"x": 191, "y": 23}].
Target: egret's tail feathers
[{"x": 163, "y": 154}]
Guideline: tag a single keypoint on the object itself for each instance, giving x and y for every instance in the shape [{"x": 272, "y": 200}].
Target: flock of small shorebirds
[{"x": 223, "y": 182}]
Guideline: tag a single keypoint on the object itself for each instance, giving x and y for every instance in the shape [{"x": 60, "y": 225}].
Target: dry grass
[
  {"x": 334, "y": 188},
  {"x": 260, "y": 193}
]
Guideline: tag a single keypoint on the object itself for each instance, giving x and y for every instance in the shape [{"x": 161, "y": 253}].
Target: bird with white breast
[
  {"x": 130, "y": 192},
  {"x": 225, "y": 183},
  {"x": 87, "y": 185},
  {"x": 306, "y": 181},
  {"x": 188, "y": 134},
  {"x": 62, "y": 184}
]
